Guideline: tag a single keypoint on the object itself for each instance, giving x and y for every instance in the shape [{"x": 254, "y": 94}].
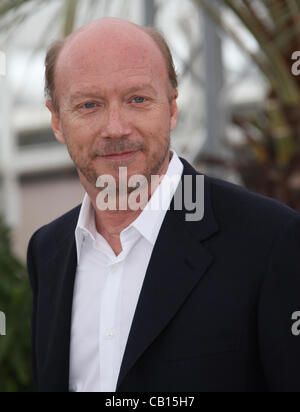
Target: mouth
[{"x": 121, "y": 156}]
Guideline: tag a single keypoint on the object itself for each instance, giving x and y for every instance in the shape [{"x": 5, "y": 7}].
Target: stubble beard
[{"x": 87, "y": 169}]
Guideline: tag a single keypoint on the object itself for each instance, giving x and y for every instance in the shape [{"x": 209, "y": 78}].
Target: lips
[
  {"x": 118, "y": 154},
  {"x": 121, "y": 156}
]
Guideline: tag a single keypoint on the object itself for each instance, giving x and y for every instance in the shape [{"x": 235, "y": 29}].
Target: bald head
[{"x": 109, "y": 43}]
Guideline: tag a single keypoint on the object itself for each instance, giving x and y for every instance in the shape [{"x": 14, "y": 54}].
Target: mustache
[{"x": 115, "y": 147}]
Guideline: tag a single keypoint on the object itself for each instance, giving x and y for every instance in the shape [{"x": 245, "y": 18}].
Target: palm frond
[
  {"x": 9, "y": 5},
  {"x": 278, "y": 64}
]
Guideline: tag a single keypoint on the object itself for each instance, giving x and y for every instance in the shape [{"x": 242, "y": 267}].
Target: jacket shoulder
[
  {"x": 56, "y": 231},
  {"x": 233, "y": 203},
  {"x": 236, "y": 202}
]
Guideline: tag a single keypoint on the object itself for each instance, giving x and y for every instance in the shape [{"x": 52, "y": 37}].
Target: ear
[
  {"x": 55, "y": 121},
  {"x": 174, "y": 111}
]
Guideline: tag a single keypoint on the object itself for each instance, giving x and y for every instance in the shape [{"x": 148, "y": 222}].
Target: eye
[
  {"x": 89, "y": 105},
  {"x": 139, "y": 99}
]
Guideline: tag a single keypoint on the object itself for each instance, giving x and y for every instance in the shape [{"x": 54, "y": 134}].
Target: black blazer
[{"x": 215, "y": 310}]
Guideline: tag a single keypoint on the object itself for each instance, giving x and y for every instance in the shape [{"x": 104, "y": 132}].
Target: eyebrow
[{"x": 92, "y": 93}]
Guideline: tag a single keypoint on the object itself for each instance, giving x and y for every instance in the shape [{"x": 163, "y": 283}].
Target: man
[{"x": 148, "y": 300}]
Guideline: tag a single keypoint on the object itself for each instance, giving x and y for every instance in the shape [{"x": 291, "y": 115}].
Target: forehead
[
  {"x": 128, "y": 83},
  {"x": 118, "y": 58}
]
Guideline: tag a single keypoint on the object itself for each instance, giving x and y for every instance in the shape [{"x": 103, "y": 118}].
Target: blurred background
[{"x": 239, "y": 103}]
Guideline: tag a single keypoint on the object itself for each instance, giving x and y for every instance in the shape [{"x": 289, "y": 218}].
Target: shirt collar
[
  {"x": 149, "y": 222},
  {"x": 86, "y": 224}
]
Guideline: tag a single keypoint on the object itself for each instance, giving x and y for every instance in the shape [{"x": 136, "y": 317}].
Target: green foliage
[{"x": 15, "y": 302}]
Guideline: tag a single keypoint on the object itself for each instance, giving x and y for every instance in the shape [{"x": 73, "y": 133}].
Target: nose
[{"x": 115, "y": 124}]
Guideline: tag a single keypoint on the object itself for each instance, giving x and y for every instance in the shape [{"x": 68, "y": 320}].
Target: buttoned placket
[{"x": 110, "y": 330}]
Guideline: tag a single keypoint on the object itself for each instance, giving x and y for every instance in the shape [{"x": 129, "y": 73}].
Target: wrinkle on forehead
[{"x": 131, "y": 83}]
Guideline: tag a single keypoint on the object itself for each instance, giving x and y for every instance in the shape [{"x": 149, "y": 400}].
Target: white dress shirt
[{"x": 107, "y": 288}]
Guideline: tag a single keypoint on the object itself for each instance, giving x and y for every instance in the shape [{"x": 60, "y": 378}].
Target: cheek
[
  {"x": 79, "y": 133},
  {"x": 156, "y": 126}
]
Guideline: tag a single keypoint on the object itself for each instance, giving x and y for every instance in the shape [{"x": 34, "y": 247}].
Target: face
[{"x": 114, "y": 99}]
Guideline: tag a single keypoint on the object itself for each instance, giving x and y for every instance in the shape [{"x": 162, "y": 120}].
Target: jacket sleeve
[
  {"x": 279, "y": 308},
  {"x": 34, "y": 285}
]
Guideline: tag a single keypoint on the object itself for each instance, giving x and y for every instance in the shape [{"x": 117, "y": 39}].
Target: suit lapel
[
  {"x": 178, "y": 263},
  {"x": 62, "y": 268}
]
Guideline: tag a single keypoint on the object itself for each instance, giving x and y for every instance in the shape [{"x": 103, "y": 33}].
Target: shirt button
[{"x": 110, "y": 335}]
